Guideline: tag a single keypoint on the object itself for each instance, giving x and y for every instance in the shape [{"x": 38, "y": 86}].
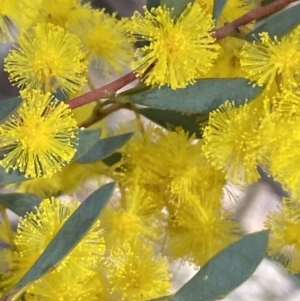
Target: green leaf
[
  {"x": 218, "y": 8},
  {"x": 178, "y": 5},
  {"x": 69, "y": 235},
  {"x": 172, "y": 119},
  {"x": 113, "y": 159},
  {"x": 87, "y": 140},
  {"x": 60, "y": 95},
  {"x": 152, "y": 3},
  {"x": 19, "y": 203},
  {"x": 141, "y": 87},
  {"x": 13, "y": 176},
  {"x": 278, "y": 24},
  {"x": 227, "y": 270},
  {"x": 8, "y": 106},
  {"x": 205, "y": 95},
  {"x": 104, "y": 148}
]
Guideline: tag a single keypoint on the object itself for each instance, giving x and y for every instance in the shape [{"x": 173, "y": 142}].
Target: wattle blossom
[
  {"x": 268, "y": 60},
  {"x": 47, "y": 58},
  {"x": 40, "y": 138},
  {"x": 176, "y": 52}
]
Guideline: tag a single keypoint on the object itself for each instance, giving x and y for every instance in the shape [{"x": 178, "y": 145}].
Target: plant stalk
[{"x": 250, "y": 16}]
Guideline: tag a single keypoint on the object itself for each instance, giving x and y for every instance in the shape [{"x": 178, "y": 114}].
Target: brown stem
[
  {"x": 103, "y": 113},
  {"x": 252, "y": 15},
  {"x": 106, "y": 91}
]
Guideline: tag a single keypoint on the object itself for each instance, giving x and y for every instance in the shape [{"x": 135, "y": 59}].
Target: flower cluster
[
  {"x": 170, "y": 202},
  {"x": 81, "y": 273}
]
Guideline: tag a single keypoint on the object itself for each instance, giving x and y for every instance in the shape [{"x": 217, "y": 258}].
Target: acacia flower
[
  {"x": 288, "y": 103},
  {"x": 104, "y": 37},
  {"x": 236, "y": 8},
  {"x": 47, "y": 58},
  {"x": 8, "y": 11},
  {"x": 273, "y": 59},
  {"x": 268, "y": 131},
  {"x": 178, "y": 51},
  {"x": 199, "y": 229},
  {"x": 4, "y": 236},
  {"x": 137, "y": 215},
  {"x": 40, "y": 137},
  {"x": 65, "y": 181},
  {"x": 284, "y": 159},
  {"x": 185, "y": 189},
  {"x": 279, "y": 136},
  {"x": 11, "y": 18},
  {"x": 142, "y": 156},
  {"x": 62, "y": 286},
  {"x": 230, "y": 141},
  {"x": 37, "y": 229},
  {"x": 284, "y": 229},
  {"x": 228, "y": 64},
  {"x": 186, "y": 166},
  {"x": 136, "y": 273},
  {"x": 180, "y": 171},
  {"x": 63, "y": 13},
  {"x": 232, "y": 10}
]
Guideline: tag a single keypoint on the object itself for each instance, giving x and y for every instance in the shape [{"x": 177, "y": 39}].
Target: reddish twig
[
  {"x": 252, "y": 15},
  {"x": 106, "y": 91}
]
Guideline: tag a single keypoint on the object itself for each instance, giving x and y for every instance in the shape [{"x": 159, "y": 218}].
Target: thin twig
[
  {"x": 106, "y": 91},
  {"x": 252, "y": 15}
]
